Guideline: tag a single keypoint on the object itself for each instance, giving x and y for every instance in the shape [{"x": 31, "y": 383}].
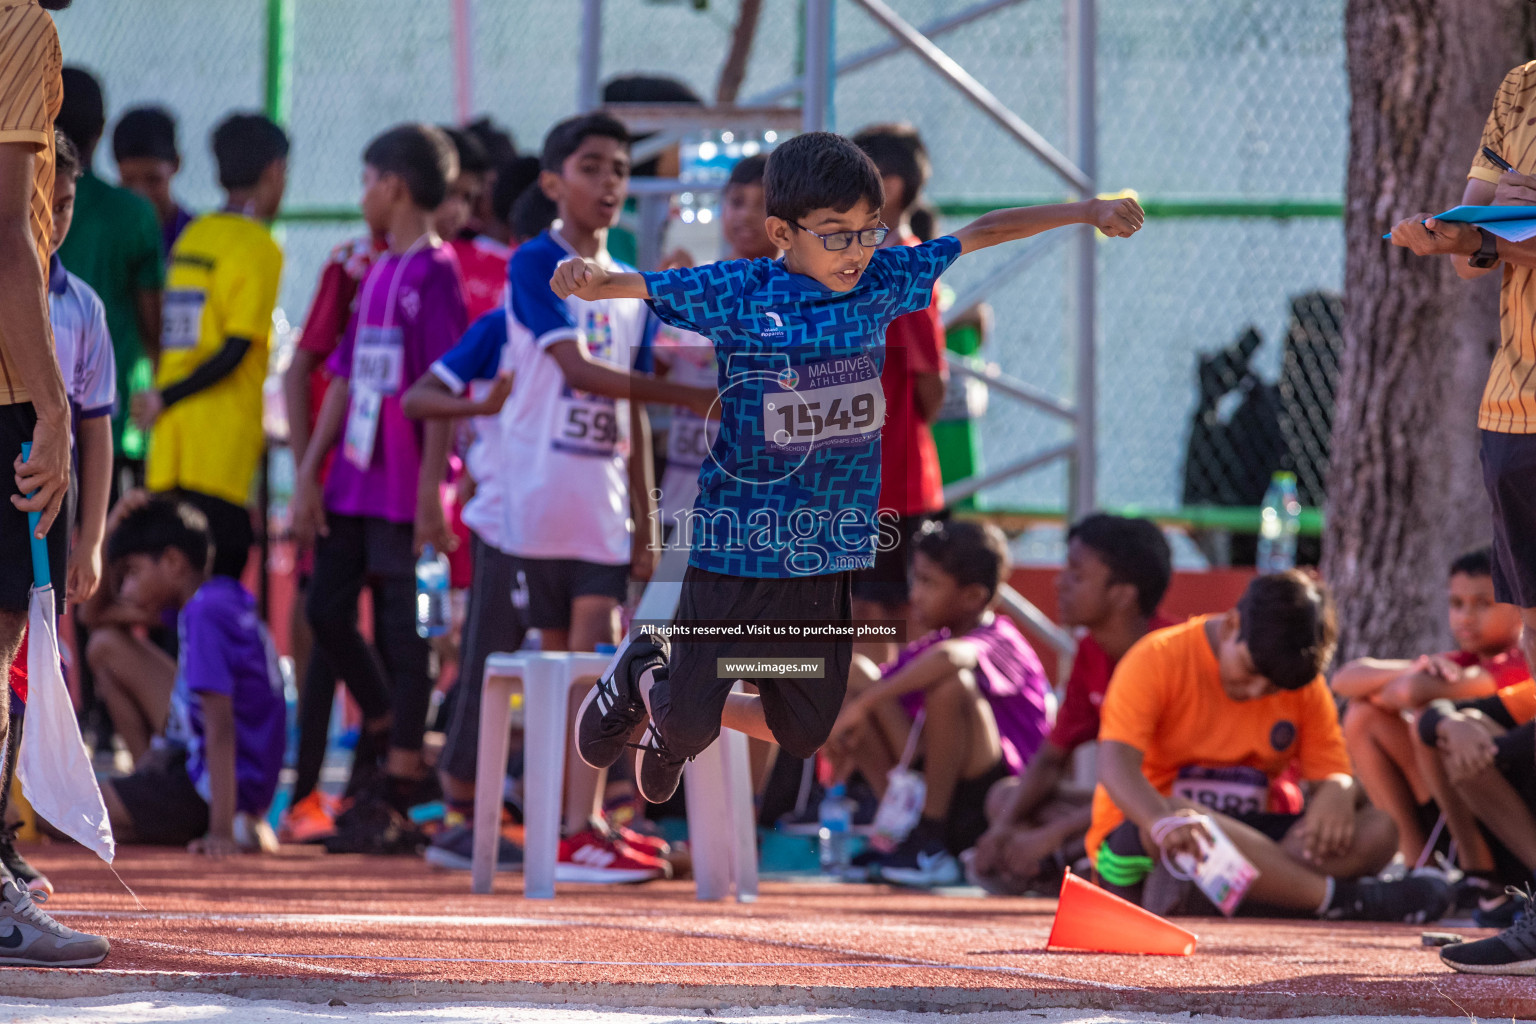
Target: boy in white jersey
[{"x": 558, "y": 461}]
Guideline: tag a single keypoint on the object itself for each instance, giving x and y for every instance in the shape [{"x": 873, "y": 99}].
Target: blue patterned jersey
[{"x": 793, "y": 478}]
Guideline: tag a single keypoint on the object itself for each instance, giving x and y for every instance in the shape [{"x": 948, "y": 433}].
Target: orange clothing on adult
[
  {"x": 31, "y": 92},
  {"x": 1166, "y": 701}
]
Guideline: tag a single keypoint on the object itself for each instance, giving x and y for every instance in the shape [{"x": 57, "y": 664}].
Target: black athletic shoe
[
  {"x": 613, "y": 710},
  {"x": 372, "y": 825},
  {"x": 1415, "y": 899},
  {"x": 1512, "y": 951},
  {"x": 12, "y": 863},
  {"x": 657, "y": 770}
]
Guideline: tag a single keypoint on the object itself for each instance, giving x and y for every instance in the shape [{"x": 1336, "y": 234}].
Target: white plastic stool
[{"x": 722, "y": 833}]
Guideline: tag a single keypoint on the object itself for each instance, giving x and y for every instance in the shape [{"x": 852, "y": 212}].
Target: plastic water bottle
[
  {"x": 1279, "y": 525},
  {"x": 432, "y": 604},
  {"x": 836, "y": 832}
]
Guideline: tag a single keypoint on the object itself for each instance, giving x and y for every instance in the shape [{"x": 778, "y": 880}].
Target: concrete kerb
[{"x": 23, "y": 983}]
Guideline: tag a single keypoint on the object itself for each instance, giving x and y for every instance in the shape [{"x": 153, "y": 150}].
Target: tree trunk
[
  {"x": 1405, "y": 492},
  {"x": 734, "y": 70}
]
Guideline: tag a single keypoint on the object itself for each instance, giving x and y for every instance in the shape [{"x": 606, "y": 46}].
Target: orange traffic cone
[{"x": 1090, "y": 919}]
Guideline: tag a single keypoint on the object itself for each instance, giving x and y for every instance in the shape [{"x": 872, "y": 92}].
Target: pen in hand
[{"x": 1496, "y": 160}]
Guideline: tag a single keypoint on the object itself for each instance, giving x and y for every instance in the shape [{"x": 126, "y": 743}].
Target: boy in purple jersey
[
  {"x": 976, "y": 681},
  {"x": 223, "y": 746},
  {"x": 381, "y": 506},
  {"x": 786, "y": 505}
]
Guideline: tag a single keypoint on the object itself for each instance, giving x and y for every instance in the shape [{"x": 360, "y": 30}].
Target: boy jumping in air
[{"x": 787, "y": 500}]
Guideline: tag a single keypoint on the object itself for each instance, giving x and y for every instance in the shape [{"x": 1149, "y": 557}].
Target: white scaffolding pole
[
  {"x": 816, "y": 78},
  {"x": 590, "y": 62},
  {"x": 1082, "y": 32}
]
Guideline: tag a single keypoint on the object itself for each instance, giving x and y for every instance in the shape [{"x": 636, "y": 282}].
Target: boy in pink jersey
[{"x": 381, "y": 504}]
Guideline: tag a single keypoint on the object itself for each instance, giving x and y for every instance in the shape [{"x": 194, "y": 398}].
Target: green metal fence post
[{"x": 279, "y": 80}]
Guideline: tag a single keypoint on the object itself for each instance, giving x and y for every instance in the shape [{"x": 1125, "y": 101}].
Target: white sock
[{"x": 1328, "y": 893}]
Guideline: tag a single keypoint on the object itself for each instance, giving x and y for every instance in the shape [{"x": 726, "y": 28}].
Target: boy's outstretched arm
[
  {"x": 587, "y": 279},
  {"x": 584, "y": 373},
  {"x": 1117, "y": 218},
  {"x": 219, "y": 723},
  {"x": 431, "y": 399}
]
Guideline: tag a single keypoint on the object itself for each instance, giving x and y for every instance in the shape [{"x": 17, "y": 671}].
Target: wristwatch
[{"x": 1487, "y": 254}]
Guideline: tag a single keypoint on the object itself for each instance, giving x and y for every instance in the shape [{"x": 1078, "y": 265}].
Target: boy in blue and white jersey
[
  {"x": 558, "y": 461},
  {"x": 787, "y": 501}
]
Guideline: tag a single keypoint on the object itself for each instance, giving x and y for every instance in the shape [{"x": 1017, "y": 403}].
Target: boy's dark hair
[
  {"x": 532, "y": 214},
  {"x": 419, "y": 155},
  {"x": 566, "y": 137},
  {"x": 967, "y": 551},
  {"x": 159, "y": 525},
  {"x": 500, "y": 147},
  {"x": 512, "y": 179},
  {"x": 1135, "y": 551},
  {"x": 923, "y": 221},
  {"x": 244, "y": 146},
  {"x": 898, "y": 150},
  {"x": 66, "y": 159},
  {"x": 748, "y": 171},
  {"x": 648, "y": 89},
  {"x": 83, "y": 114},
  {"x": 145, "y": 133},
  {"x": 1289, "y": 627},
  {"x": 473, "y": 158},
  {"x": 1478, "y": 562},
  {"x": 819, "y": 171}
]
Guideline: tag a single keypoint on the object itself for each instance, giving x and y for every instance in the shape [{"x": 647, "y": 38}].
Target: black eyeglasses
[{"x": 837, "y": 241}]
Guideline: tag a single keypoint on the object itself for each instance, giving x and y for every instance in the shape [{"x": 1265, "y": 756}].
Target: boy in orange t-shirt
[{"x": 1200, "y": 719}]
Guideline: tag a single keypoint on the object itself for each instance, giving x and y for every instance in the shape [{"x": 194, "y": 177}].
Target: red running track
[{"x": 314, "y": 928}]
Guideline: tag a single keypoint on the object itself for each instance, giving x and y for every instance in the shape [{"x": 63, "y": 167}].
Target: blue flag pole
[{"x": 40, "y": 572}]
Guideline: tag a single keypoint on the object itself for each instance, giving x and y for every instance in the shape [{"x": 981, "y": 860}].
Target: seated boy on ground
[
  {"x": 1199, "y": 720},
  {"x": 1475, "y": 757},
  {"x": 1116, "y": 574},
  {"x": 978, "y": 684},
  {"x": 223, "y": 746},
  {"x": 1376, "y": 731}
]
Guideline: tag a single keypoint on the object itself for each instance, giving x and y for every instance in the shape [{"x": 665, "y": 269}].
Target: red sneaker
[{"x": 594, "y": 857}]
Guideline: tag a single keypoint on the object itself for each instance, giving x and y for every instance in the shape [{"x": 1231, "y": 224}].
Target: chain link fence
[{"x": 1228, "y": 117}]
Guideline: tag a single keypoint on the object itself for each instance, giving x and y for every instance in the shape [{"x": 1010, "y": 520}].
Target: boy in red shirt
[
  {"x": 1116, "y": 574},
  {"x": 911, "y": 486},
  {"x": 1382, "y": 692}
]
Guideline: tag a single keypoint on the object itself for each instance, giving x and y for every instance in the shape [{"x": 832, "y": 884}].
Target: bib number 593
[{"x": 599, "y": 426}]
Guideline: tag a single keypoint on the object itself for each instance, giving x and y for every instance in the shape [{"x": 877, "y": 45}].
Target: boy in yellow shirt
[
  {"x": 1199, "y": 719},
  {"x": 206, "y": 407}
]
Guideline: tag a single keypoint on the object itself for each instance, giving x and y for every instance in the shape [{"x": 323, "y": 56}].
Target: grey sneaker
[
  {"x": 1512, "y": 951},
  {"x": 30, "y": 938}
]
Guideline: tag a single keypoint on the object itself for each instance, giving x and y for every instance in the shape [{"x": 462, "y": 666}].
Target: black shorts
[
  {"x": 967, "y": 818},
  {"x": 544, "y": 588},
  {"x": 686, "y": 706},
  {"x": 1509, "y": 474},
  {"x": 491, "y": 624},
  {"x": 16, "y": 425},
  {"x": 162, "y": 802},
  {"x": 229, "y": 525},
  {"x": 888, "y": 582}
]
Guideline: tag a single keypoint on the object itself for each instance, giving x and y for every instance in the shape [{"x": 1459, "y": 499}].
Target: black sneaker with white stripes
[
  {"x": 1512, "y": 951},
  {"x": 613, "y": 710},
  {"x": 657, "y": 769}
]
